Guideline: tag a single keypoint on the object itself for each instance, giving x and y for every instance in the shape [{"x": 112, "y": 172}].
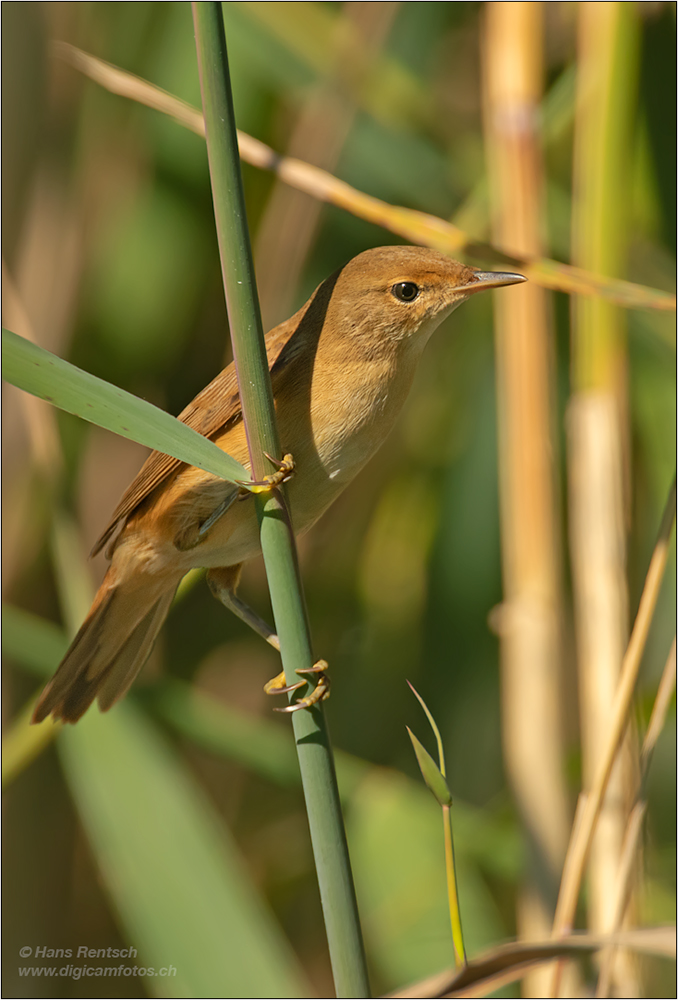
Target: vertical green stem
[
  {"x": 607, "y": 71},
  {"x": 450, "y": 862},
  {"x": 452, "y": 892},
  {"x": 277, "y": 540}
]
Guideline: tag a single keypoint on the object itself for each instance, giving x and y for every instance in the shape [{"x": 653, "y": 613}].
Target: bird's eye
[{"x": 406, "y": 291}]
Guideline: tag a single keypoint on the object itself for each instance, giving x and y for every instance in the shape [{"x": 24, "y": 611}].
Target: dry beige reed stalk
[
  {"x": 529, "y": 619},
  {"x": 599, "y": 458},
  {"x": 590, "y": 804},
  {"x": 418, "y": 227},
  {"x": 634, "y": 825},
  {"x": 510, "y": 962}
]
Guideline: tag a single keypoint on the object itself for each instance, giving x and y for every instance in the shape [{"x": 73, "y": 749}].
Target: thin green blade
[
  {"x": 396, "y": 845},
  {"x": 35, "y": 370},
  {"x": 431, "y": 772},
  {"x": 434, "y": 727}
]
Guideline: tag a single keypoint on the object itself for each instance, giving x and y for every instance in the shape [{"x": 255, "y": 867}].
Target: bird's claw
[
  {"x": 319, "y": 693},
  {"x": 285, "y": 471},
  {"x": 272, "y": 687}
]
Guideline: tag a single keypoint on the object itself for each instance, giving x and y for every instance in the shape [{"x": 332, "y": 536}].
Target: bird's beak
[{"x": 492, "y": 279}]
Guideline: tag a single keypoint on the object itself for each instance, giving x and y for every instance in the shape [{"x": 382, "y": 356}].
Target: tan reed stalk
[
  {"x": 507, "y": 963},
  {"x": 418, "y": 227},
  {"x": 597, "y": 418},
  {"x": 529, "y": 619},
  {"x": 629, "y": 858},
  {"x": 590, "y": 804}
]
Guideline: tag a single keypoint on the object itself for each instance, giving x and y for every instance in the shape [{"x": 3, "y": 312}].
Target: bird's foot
[
  {"x": 268, "y": 483},
  {"x": 319, "y": 693}
]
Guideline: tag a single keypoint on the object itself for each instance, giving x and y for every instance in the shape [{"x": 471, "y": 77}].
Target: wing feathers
[{"x": 212, "y": 409}]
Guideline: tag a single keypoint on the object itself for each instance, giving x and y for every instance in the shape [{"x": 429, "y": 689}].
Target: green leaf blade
[
  {"x": 35, "y": 370},
  {"x": 170, "y": 866},
  {"x": 431, "y": 772},
  {"x": 434, "y": 727},
  {"x": 32, "y": 641}
]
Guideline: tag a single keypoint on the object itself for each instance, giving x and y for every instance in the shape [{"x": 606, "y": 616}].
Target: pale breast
[{"x": 349, "y": 421}]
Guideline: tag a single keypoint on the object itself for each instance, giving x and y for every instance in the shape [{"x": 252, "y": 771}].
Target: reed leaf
[
  {"x": 174, "y": 874},
  {"x": 43, "y": 374},
  {"x": 430, "y": 772}
]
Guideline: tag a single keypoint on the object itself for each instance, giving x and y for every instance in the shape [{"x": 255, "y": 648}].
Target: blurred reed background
[{"x": 493, "y": 553}]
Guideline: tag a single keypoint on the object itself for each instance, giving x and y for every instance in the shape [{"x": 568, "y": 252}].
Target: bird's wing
[{"x": 217, "y": 405}]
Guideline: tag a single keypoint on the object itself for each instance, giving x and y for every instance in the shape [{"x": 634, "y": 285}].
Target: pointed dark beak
[{"x": 493, "y": 279}]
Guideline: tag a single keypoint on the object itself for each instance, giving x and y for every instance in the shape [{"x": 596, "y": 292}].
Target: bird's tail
[{"x": 110, "y": 648}]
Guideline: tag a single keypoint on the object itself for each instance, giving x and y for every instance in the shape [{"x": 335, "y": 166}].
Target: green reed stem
[
  {"x": 437, "y": 784},
  {"x": 277, "y": 540},
  {"x": 452, "y": 893}
]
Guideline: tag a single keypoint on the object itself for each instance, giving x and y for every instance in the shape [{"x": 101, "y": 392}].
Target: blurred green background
[{"x": 109, "y": 238}]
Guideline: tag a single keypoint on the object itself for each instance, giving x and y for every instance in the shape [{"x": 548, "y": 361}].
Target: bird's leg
[
  {"x": 285, "y": 471},
  {"x": 223, "y": 583},
  {"x": 191, "y": 535},
  {"x": 215, "y": 515}
]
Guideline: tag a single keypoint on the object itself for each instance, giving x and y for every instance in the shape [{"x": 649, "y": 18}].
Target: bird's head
[{"x": 402, "y": 293}]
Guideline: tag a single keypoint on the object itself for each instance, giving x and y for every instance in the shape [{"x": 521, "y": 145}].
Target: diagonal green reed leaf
[
  {"x": 431, "y": 772},
  {"x": 257, "y": 743},
  {"x": 170, "y": 866},
  {"x": 32, "y": 641},
  {"x": 22, "y": 742},
  {"x": 35, "y": 370}
]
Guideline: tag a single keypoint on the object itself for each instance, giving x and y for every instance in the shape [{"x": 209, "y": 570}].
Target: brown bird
[{"x": 341, "y": 369}]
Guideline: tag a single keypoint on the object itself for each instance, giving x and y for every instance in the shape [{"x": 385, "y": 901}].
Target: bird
[{"x": 341, "y": 368}]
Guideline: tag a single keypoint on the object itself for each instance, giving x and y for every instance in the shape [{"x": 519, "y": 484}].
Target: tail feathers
[
  {"x": 107, "y": 653},
  {"x": 133, "y": 653}
]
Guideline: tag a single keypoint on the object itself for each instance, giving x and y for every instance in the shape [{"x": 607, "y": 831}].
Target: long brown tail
[{"x": 110, "y": 648}]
